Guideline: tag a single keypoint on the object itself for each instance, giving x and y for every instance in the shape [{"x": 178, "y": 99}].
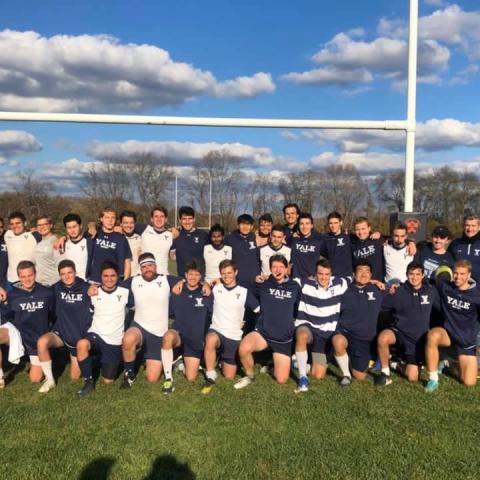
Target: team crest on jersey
[
  {"x": 83, "y": 247},
  {"x": 305, "y": 248},
  {"x": 196, "y": 239},
  {"x": 370, "y": 296},
  {"x": 3, "y": 247},
  {"x": 476, "y": 252},
  {"x": 238, "y": 296},
  {"x": 424, "y": 300},
  {"x": 251, "y": 245},
  {"x": 31, "y": 306},
  {"x": 199, "y": 302},
  {"x": 280, "y": 294},
  {"x": 159, "y": 283},
  {"x": 340, "y": 242},
  {"x": 25, "y": 236},
  {"x": 71, "y": 297},
  {"x": 458, "y": 304},
  {"x": 119, "y": 298},
  {"x": 365, "y": 251}
]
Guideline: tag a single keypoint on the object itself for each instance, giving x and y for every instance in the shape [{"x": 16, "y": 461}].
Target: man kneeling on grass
[
  {"x": 357, "y": 324},
  {"x": 460, "y": 305},
  {"x": 191, "y": 310},
  {"x": 279, "y": 296},
  {"x": 104, "y": 337},
  {"x": 225, "y": 333}
]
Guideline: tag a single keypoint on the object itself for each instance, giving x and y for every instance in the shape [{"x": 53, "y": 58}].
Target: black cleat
[
  {"x": 128, "y": 379},
  {"x": 382, "y": 380},
  {"x": 88, "y": 387}
]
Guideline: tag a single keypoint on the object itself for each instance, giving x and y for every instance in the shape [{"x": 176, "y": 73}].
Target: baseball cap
[{"x": 441, "y": 231}]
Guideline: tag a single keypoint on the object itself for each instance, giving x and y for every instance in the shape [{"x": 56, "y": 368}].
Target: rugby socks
[
  {"x": 167, "y": 360},
  {"x": 433, "y": 376},
  {"x": 86, "y": 368},
  {"x": 386, "y": 371},
  {"x": 211, "y": 374},
  {"x": 302, "y": 359},
  {"x": 343, "y": 364},
  {"x": 130, "y": 368},
  {"x": 47, "y": 370}
]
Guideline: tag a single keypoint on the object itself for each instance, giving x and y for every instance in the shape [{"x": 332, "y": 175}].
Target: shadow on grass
[
  {"x": 165, "y": 467},
  {"x": 98, "y": 469}
]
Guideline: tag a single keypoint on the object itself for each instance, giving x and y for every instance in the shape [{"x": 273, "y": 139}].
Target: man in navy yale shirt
[
  {"x": 29, "y": 308},
  {"x": 279, "y": 296},
  {"x": 191, "y": 309},
  {"x": 467, "y": 247},
  {"x": 412, "y": 305},
  {"x": 74, "y": 316},
  {"x": 306, "y": 249},
  {"x": 188, "y": 245},
  {"x": 357, "y": 325},
  {"x": 460, "y": 304}
]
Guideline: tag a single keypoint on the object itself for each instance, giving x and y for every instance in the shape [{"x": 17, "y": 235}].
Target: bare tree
[{"x": 264, "y": 196}]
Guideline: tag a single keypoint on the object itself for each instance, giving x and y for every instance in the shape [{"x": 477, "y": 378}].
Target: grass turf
[{"x": 262, "y": 432}]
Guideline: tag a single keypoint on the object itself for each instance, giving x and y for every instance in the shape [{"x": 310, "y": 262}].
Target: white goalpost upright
[{"x": 408, "y": 125}]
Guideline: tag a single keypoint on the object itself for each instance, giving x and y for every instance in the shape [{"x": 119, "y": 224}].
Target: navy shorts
[
  {"x": 108, "y": 354},
  {"x": 191, "y": 347},
  {"x": 321, "y": 341},
  {"x": 228, "y": 348},
  {"x": 151, "y": 344},
  {"x": 70, "y": 346},
  {"x": 358, "y": 350},
  {"x": 413, "y": 352},
  {"x": 462, "y": 349},
  {"x": 285, "y": 348}
]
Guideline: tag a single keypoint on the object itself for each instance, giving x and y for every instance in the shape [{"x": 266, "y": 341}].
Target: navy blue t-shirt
[
  {"x": 371, "y": 251},
  {"x": 188, "y": 247},
  {"x": 431, "y": 260},
  {"x": 31, "y": 313},
  {"x": 468, "y": 248},
  {"x": 338, "y": 250},
  {"x": 460, "y": 310},
  {"x": 412, "y": 308},
  {"x": 278, "y": 304},
  {"x": 246, "y": 256},
  {"x": 191, "y": 310},
  {"x": 305, "y": 253},
  {"x": 109, "y": 247},
  {"x": 73, "y": 310},
  {"x": 359, "y": 311}
]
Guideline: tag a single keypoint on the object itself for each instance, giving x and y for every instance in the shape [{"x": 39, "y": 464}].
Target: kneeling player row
[{"x": 325, "y": 311}]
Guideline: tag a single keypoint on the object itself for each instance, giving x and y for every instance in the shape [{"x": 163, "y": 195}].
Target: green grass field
[{"x": 262, "y": 432}]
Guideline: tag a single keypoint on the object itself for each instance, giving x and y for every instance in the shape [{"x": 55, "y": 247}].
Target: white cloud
[
  {"x": 99, "y": 73},
  {"x": 330, "y": 76},
  {"x": 178, "y": 153},
  {"x": 433, "y": 135},
  {"x": 366, "y": 163},
  {"x": 17, "y": 142}
]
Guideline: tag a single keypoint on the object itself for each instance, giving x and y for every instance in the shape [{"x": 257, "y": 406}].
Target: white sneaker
[
  {"x": 47, "y": 386},
  {"x": 243, "y": 382}
]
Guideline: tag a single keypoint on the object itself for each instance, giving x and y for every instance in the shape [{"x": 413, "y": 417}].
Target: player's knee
[
  {"x": 319, "y": 375},
  {"x": 36, "y": 377},
  {"x": 191, "y": 376},
  {"x": 359, "y": 375},
  {"x": 281, "y": 378},
  {"x": 469, "y": 382},
  {"x": 244, "y": 350},
  {"x": 75, "y": 374},
  {"x": 108, "y": 381},
  {"x": 83, "y": 345},
  {"x": 129, "y": 340},
  {"x": 43, "y": 343},
  {"x": 152, "y": 377}
]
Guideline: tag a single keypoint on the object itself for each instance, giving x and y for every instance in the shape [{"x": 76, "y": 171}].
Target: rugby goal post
[{"x": 408, "y": 125}]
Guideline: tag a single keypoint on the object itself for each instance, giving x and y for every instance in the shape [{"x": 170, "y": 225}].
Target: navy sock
[
  {"x": 129, "y": 367},
  {"x": 86, "y": 368}
]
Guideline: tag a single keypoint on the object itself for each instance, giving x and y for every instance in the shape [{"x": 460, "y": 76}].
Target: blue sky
[{"x": 308, "y": 59}]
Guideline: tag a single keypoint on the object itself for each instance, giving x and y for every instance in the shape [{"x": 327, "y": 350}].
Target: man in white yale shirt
[
  {"x": 225, "y": 333},
  {"x": 215, "y": 252},
  {"x": 276, "y": 246},
  {"x": 397, "y": 256},
  {"x": 104, "y": 337}
]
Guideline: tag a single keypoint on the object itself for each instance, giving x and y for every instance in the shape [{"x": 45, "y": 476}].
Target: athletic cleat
[
  {"x": 168, "y": 387},
  {"x": 345, "y": 382},
  {"x": 382, "y": 380},
  {"x": 243, "y": 382},
  {"x": 303, "y": 384},
  {"x": 88, "y": 387},
  {"x": 443, "y": 365},
  {"x": 47, "y": 386},
  {"x": 431, "y": 386},
  {"x": 128, "y": 380},
  {"x": 207, "y": 387},
  {"x": 178, "y": 364},
  {"x": 268, "y": 368}
]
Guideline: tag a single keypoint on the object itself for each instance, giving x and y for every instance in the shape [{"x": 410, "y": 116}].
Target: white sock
[
  {"x": 433, "y": 376},
  {"x": 386, "y": 371},
  {"x": 343, "y": 364},
  {"x": 302, "y": 359},
  {"x": 211, "y": 374},
  {"x": 167, "y": 361},
  {"x": 47, "y": 370}
]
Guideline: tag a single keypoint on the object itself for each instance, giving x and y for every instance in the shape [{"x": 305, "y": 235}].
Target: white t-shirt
[
  {"x": 19, "y": 247},
  {"x": 213, "y": 256},
  {"x": 46, "y": 261},
  {"x": 77, "y": 252},
  {"x": 267, "y": 251},
  {"x": 229, "y": 310},
  {"x": 109, "y": 314},
  {"x": 151, "y": 303},
  {"x": 396, "y": 262},
  {"x": 159, "y": 245},
  {"x": 135, "y": 243}
]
